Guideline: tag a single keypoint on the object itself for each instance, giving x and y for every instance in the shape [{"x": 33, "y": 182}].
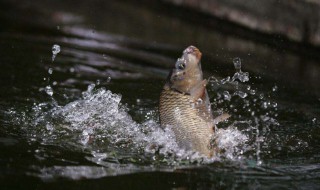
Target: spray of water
[
  {"x": 252, "y": 113},
  {"x": 100, "y": 124},
  {"x": 48, "y": 89}
]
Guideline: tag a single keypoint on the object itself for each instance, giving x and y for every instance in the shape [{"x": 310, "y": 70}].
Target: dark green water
[{"x": 102, "y": 136}]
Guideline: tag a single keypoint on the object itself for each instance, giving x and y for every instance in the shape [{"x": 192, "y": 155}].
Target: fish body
[{"x": 184, "y": 104}]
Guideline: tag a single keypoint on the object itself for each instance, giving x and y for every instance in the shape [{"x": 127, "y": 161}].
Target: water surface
[{"x": 88, "y": 118}]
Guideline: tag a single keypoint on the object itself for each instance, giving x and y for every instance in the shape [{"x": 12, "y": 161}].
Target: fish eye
[{"x": 181, "y": 66}]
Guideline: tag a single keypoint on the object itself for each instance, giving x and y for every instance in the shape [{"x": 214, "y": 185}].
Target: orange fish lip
[{"x": 193, "y": 50}]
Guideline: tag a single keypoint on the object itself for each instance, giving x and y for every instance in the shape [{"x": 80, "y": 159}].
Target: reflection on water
[{"x": 79, "y": 98}]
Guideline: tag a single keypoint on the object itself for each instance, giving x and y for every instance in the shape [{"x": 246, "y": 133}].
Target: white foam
[
  {"x": 99, "y": 116},
  {"x": 230, "y": 142}
]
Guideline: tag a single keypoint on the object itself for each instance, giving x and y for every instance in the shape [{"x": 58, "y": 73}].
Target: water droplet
[
  {"x": 314, "y": 120},
  {"x": 274, "y": 104},
  {"x": 240, "y": 94},
  {"x": 213, "y": 79},
  {"x": 71, "y": 70},
  {"x": 265, "y": 105},
  {"x": 252, "y": 92},
  {"x": 55, "y": 50},
  {"x": 91, "y": 87},
  {"x": 261, "y": 96},
  {"x": 109, "y": 79},
  {"x": 243, "y": 76},
  {"x": 226, "y": 95},
  {"x": 50, "y": 71},
  {"x": 86, "y": 136},
  {"x": 225, "y": 80},
  {"x": 275, "y": 88},
  {"x": 49, "y": 90},
  {"x": 98, "y": 82},
  {"x": 237, "y": 63},
  {"x": 49, "y": 127},
  {"x": 54, "y": 83}
]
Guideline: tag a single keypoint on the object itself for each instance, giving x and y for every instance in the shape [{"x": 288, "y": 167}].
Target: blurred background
[{"x": 50, "y": 51}]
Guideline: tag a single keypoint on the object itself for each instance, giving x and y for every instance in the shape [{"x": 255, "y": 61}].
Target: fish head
[{"x": 187, "y": 71}]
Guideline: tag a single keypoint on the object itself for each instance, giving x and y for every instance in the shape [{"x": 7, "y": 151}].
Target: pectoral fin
[
  {"x": 199, "y": 91},
  {"x": 221, "y": 118}
]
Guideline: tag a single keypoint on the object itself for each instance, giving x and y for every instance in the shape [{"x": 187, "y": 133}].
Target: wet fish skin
[{"x": 184, "y": 104}]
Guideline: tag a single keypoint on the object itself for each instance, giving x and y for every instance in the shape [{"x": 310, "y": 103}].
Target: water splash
[
  {"x": 231, "y": 143},
  {"x": 101, "y": 124},
  {"x": 238, "y": 76},
  {"x": 253, "y": 114},
  {"x": 100, "y": 118},
  {"x": 241, "y": 76}
]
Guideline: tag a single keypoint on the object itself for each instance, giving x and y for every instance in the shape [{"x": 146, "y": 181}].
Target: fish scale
[{"x": 193, "y": 131}]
